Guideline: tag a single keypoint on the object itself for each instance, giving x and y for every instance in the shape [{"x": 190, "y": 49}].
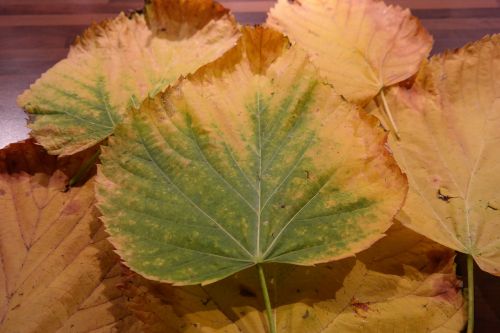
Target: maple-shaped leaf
[
  {"x": 252, "y": 159},
  {"x": 58, "y": 273},
  {"x": 360, "y": 46},
  {"x": 117, "y": 63},
  {"x": 403, "y": 283},
  {"x": 449, "y": 138}
]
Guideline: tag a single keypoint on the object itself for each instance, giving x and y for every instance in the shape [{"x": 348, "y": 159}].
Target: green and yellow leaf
[
  {"x": 360, "y": 46},
  {"x": 58, "y": 273},
  {"x": 449, "y": 127},
  {"x": 404, "y": 283},
  {"x": 252, "y": 159},
  {"x": 119, "y": 62}
]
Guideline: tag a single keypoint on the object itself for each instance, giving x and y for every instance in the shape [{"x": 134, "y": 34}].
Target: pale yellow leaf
[
  {"x": 450, "y": 134},
  {"x": 360, "y": 46}
]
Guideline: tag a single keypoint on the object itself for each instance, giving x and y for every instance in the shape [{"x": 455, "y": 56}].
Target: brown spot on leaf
[
  {"x": 443, "y": 196},
  {"x": 2, "y": 192},
  {"x": 437, "y": 258},
  {"x": 408, "y": 83},
  {"x": 448, "y": 289},
  {"x": 72, "y": 208},
  {"x": 305, "y": 315},
  {"x": 490, "y": 206},
  {"x": 246, "y": 292},
  {"x": 360, "y": 307}
]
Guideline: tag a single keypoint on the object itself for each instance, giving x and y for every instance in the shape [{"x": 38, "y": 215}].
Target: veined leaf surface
[
  {"x": 403, "y": 283},
  {"x": 58, "y": 272},
  {"x": 251, "y": 159},
  {"x": 117, "y": 63},
  {"x": 450, "y": 134},
  {"x": 360, "y": 46}
]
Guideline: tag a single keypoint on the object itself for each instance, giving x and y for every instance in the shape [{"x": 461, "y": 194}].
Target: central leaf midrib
[
  {"x": 167, "y": 178},
  {"x": 259, "y": 256},
  {"x": 259, "y": 183}
]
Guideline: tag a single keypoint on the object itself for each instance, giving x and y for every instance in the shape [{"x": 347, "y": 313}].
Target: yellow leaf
[
  {"x": 450, "y": 133},
  {"x": 360, "y": 46},
  {"x": 58, "y": 274},
  {"x": 119, "y": 62},
  {"x": 404, "y": 283}
]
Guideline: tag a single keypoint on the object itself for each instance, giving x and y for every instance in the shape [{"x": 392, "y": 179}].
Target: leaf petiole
[
  {"x": 267, "y": 302},
  {"x": 84, "y": 169},
  {"x": 470, "y": 289},
  {"x": 388, "y": 113}
]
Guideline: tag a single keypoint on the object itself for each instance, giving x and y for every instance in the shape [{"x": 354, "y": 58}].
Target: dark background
[{"x": 35, "y": 34}]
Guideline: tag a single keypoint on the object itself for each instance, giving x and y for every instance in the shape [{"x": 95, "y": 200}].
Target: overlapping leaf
[
  {"x": 252, "y": 159},
  {"x": 404, "y": 283},
  {"x": 449, "y": 127},
  {"x": 58, "y": 274},
  {"x": 117, "y": 63},
  {"x": 360, "y": 46}
]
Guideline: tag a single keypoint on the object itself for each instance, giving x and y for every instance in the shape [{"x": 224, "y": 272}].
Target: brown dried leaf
[{"x": 58, "y": 274}]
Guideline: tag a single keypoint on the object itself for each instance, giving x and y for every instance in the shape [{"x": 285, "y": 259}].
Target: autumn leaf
[
  {"x": 360, "y": 46},
  {"x": 404, "y": 283},
  {"x": 449, "y": 127},
  {"x": 207, "y": 180},
  {"x": 58, "y": 274},
  {"x": 117, "y": 63}
]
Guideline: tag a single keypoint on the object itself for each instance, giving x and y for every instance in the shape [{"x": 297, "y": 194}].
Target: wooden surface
[{"x": 35, "y": 34}]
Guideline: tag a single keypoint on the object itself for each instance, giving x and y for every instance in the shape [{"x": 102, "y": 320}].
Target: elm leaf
[
  {"x": 449, "y": 125},
  {"x": 59, "y": 273},
  {"x": 360, "y": 46},
  {"x": 117, "y": 63},
  {"x": 252, "y": 159}
]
